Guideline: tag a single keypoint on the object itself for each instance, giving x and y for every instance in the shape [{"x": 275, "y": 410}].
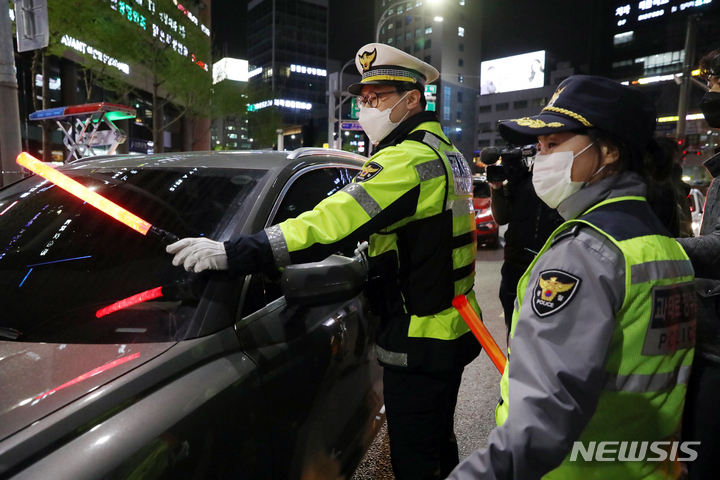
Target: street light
[
  {"x": 384, "y": 18},
  {"x": 343, "y": 96}
]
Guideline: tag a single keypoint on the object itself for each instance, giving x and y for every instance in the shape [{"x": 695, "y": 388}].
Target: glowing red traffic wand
[
  {"x": 130, "y": 301},
  {"x": 94, "y": 199}
]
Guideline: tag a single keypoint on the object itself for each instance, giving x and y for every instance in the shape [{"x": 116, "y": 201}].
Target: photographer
[{"x": 530, "y": 221}]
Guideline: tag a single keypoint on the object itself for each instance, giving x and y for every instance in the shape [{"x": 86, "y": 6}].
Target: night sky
[
  {"x": 512, "y": 27},
  {"x": 229, "y": 27},
  {"x": 509, "y": 27}
]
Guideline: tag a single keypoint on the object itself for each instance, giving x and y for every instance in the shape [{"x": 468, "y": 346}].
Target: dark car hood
[{"x": 38, "y": 378}]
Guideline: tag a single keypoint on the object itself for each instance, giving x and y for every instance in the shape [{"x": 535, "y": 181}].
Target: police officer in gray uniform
[{"x": 588, "y": 361}]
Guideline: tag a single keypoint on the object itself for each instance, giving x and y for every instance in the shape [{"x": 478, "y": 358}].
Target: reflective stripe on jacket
[{"x": 413, "y": 201}]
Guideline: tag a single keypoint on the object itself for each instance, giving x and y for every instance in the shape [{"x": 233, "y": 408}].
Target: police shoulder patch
[
  {"x": 553, "y": 291},
  {"x": 369, "y": 171}
]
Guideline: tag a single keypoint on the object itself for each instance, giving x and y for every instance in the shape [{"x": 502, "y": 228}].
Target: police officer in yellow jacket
[
  {"x": 603, "y": 332},
  {"x": 413, "y": 201}
]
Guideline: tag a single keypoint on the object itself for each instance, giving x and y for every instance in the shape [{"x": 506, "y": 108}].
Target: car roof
[{"x": 260, "y": 159}]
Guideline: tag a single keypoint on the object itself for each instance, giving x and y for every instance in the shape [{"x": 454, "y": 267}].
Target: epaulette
[
  {"x": 427, "y": 138},
  {"x": 572, "y": 232}
]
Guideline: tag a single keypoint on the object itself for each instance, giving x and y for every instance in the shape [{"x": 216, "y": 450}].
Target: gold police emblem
[
  {"x": 367, "y": 59},
  {"x": 552, "y": 287},
  {"x": 553, "y": 291},
  {"x": 369, "y": 171}
]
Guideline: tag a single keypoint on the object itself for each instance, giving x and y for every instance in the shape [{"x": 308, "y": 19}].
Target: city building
[
  {"x": 644, "y": 43},
  {"x": 505, "y": 102},
  {"x": 287, "y": 52},
  {"x": 446, "y": 35},
  {"x": 231, "y": 132}
]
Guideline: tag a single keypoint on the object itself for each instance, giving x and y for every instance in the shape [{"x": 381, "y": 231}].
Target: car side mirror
[{"x": 334, "y": 279}]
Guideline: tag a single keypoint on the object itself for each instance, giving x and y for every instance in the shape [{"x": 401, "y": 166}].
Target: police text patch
[
  {"x": 461, "y": 173},
  {"x": 672, "y": 325},
  {"x": 369, "y": 171},
  {"x": 553, "y": 291}
]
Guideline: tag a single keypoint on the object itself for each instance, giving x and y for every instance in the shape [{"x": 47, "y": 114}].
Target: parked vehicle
[
  {"x": 697, "y": 206},
  {"x": 697, "y": 176},
  {"x": 115, "y": 364},
  {"x": 485, "y": 226}
]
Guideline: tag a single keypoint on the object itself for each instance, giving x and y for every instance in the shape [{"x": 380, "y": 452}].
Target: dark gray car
[{"x": 114, "y": 364}]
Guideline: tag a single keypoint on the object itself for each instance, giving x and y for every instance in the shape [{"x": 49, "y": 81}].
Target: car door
[{"x": 320, "y": 378}]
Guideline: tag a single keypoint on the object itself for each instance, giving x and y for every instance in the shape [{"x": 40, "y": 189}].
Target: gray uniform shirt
[{"x": 558, "y": 360}]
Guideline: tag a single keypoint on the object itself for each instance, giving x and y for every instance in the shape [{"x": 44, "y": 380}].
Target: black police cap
[{"x": 584, "y": 101}]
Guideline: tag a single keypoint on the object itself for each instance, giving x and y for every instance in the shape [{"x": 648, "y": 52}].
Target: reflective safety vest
[
  {"x": 651, "y": 349},
  {"x": 420, "y": 258}
]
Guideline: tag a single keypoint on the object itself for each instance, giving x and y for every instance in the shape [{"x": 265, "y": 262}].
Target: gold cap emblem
[
  {"x": 367, "y": 59},
  {"x": 555, "y": 96}
]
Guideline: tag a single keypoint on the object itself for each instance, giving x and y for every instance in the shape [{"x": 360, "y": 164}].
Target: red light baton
[
  {"x": 130, "y": 301},
  {"x": 480, "y": 331},
  {"x": 94, "y": 199},
  {"x": 171, "y": 292}
]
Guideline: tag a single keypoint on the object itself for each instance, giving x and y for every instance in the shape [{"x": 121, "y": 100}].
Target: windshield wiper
[{"x": 9, "y": 333}]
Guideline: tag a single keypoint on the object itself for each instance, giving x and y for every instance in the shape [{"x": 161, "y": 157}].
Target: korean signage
[
  {"x": 350, "y": 125},
  {"x": 628, "y": 15}
]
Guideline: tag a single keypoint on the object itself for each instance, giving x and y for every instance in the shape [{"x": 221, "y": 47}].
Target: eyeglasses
[{"x": 372, "y": 99}]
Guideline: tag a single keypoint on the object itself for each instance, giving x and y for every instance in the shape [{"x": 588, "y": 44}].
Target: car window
[
  {"x": 306, "y": 191},
  {"x": 696, "y": 176},
  {"x": 72, "y": 274},
  {"x": 310, "y": 189}
]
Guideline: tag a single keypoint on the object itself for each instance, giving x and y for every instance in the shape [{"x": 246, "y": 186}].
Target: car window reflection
[{"x": 63, "y": 261}]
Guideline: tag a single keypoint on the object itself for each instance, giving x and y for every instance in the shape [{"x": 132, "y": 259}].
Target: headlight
[{"x": 695, "y": 227}]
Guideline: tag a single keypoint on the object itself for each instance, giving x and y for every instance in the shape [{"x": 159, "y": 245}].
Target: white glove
[{"x": 198, "y": 254}]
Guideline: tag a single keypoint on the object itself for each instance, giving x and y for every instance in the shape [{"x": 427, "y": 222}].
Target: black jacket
[
  {"x": 530, "y": 221},
  {"x": 704, "y": 252}
]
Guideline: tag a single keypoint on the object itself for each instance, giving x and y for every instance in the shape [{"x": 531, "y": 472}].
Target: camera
[{"x": 514, "y": 162}]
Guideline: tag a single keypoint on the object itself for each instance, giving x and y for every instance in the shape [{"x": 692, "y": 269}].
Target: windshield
[{"x": 71, "y": 274}]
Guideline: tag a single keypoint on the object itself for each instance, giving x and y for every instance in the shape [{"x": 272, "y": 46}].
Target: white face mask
[
  {"x": 552, "y": 177},
  {"x": 377, "y": 123}
]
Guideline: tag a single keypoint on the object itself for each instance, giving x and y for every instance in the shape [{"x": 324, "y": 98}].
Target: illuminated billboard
[
  {"x": 230, "y": 69},
  {"x": 510, "y": 74}
]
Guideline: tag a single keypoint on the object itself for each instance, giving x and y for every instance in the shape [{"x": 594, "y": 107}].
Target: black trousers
[
  {"x": 420, "y": 409},
  {"x": 701, "y": 418}
]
